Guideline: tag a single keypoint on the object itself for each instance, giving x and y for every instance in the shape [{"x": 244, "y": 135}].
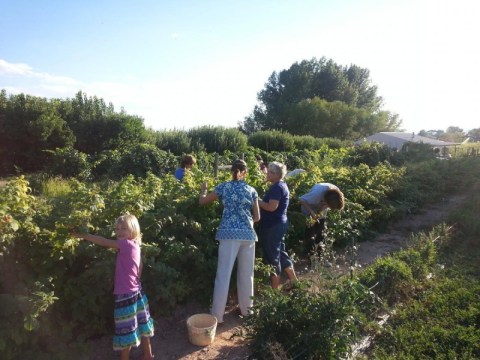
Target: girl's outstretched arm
[{"x": 99, "y": 240}]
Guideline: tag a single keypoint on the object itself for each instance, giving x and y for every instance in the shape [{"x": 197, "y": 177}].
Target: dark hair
[
  {"x": 335, "y": 199},
  {"x": 237, "y": 167},
  {"x": 188, "y": 160}
]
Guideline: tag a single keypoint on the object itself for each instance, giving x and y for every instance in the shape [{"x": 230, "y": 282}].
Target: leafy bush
[
  {"x": 217, "y": 139},
  {"x": 176, "y": 141},
  {"x": 137, "y": 160},
  {"x": 309, "y": 325},
  {"x": 390, "y": 278},
  {"x": 39, "y": 259},
  {"x": 69, "y": 162},
  {"x": 272, "y": 140},
  {"x": 141, "y": 159},
  {"x": 442, "y": 324},
  {"x": 371, "y": 154}
]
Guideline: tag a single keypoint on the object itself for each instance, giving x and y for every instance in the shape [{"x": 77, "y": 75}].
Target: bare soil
[{"x": 171, "y": 338}]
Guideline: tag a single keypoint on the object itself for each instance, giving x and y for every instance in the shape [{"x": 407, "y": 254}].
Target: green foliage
[
  {"x": 90, "y": 118},
  {"x": 54, "y": 188},
  {"x": 417, "y": 152},
  {"x": 320, "y": 98},
  {"x": 217, "y": 139},
  {"x": 53, "y": 273},
  {"x": 137, "y": 160},
  {"x": 308, "y": 325},
  {"x": 467, "y": 218},
  {"x": 271, "y": 141},
  {"x": 141, "y": 159},
  {"x": 323, "y": 118},
  {"x": 442, "y": 324},
  {"x": 28, "y": 126},
  {"x": 389, "y": 277},
  {"x": 17, "y": 208},
  {"x": 69, "y": 162},
  {"x": 372, "y": 154},
  {"x": 176, "y": 141}
]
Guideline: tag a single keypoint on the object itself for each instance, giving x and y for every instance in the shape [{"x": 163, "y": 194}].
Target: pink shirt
[{"x": 127, "y": 268}]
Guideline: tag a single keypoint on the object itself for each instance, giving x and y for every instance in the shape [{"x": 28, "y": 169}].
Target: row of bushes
[
  {"x": 140, "y": 159},
  {"x": 435, "y": 311},
  {"x": 324, "y": 317},
  {"x": 430, "y": 289},
  {"x": 47, "y": 277},
  {"x": 443, "y": 320}
]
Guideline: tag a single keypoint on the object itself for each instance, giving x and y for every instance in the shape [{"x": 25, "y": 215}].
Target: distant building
[{"x": 396, "y": 140}]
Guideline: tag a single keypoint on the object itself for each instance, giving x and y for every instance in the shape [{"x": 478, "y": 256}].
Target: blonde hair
[{"x": 133, "y": 226}]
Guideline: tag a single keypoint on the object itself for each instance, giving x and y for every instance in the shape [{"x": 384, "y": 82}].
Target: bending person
[{"x": 316, "y": 203}]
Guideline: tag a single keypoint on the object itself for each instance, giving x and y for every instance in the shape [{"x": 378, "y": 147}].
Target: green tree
[
  {"x": 29, "y": 126},
  {"x": 295, "y": 100},
  {"x": 475, "y": 133},
  {"x": 98, "y": 127},
  {"x": 432, "y": 134},
  {"x": 322, "y": 118},
  {"x": 453, "y": 134}
]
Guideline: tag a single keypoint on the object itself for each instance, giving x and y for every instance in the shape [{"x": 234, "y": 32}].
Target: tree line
[{"x": 312, "y": 103}]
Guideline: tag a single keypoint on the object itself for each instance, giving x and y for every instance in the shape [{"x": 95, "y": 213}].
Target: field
[{"x": 51, "y": 281}]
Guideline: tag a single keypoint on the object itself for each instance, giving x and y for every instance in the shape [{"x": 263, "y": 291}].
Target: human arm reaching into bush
[{"x": 98, "y": 240}]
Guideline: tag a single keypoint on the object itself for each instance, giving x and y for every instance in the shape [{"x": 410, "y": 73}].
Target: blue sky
[{"x": 182, "y": 64}]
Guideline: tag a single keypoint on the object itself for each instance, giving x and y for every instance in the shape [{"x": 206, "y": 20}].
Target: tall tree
[
  {"x": 290, "y": 101},
  {"x": 454, "y": 134},
  {"x": 29, "y": 125},
  {"x": 98, "y": 127}
]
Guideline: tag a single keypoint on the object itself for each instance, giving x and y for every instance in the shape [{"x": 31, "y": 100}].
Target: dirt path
[
  {"x": 398, "y": 233},
  {"x": 171, "y": 339}
]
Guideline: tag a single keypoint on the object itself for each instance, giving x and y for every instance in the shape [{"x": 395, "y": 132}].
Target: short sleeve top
[
  {"x": 237, "y": 198},
  {"x": 315, "y": 196},
  {"x": 278, "y": 191}
]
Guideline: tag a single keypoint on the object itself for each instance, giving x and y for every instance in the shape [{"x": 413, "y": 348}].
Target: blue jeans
[{"x": 273, "y": 244}]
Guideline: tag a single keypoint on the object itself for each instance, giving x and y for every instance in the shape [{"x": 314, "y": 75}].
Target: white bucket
[{"x": 201, "y": 329}]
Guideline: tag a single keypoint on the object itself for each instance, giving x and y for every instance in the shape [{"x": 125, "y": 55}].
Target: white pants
[{"x": 229, "y": 250}]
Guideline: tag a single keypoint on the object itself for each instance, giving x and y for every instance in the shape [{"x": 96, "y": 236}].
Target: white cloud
[
  {"x": 19, "y": 77},
  {"x": 7, "y": 68}
]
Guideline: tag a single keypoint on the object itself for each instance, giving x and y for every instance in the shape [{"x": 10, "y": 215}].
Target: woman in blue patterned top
[{"x": 236, "y": 237}]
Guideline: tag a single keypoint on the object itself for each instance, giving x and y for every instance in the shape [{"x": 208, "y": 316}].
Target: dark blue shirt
[{"x": 278, "y": 191}]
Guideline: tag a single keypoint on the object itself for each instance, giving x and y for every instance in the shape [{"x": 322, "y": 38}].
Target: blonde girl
[{"x": 133, "y": 324}]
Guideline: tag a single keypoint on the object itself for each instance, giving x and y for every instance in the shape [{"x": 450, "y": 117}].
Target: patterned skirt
[{"x": 132, "y": 320}]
